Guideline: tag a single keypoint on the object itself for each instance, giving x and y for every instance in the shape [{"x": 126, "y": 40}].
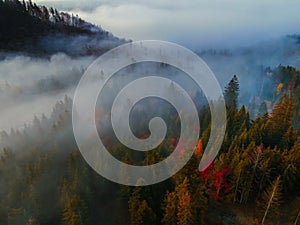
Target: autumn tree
[
  {"x": 170, "y": 209},
  {"x": 279, "y": 122},
  {"x": 184, "y": 208}
]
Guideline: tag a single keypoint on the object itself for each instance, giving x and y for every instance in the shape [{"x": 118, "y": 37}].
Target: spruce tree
[
  {"x": 170, "y": 209},
  {"x": 231, "y": 94},
  {"x": 184, "y": 209},
  {"x": 139, "y": 211}
]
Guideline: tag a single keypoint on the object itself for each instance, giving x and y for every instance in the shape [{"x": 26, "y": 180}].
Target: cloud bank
[
  {"x": 31, "y": 86},
  {"x": 193, "y": 23}
]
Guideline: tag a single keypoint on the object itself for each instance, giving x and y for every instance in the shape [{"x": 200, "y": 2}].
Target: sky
[{"x": 194, "y": 23}]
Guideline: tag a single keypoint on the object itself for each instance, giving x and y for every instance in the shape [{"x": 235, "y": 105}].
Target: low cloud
[
  {"x": 30, "y": 86},
  {"x": 192, "y": 23}
]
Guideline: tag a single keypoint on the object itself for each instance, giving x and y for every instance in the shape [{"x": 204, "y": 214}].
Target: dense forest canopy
[{"x": 257, "y": 170}]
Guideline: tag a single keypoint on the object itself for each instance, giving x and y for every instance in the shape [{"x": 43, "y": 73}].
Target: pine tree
[
  {"x": 249, "y": 170},
  {"x": 170, "y": 209},
  {"x": 182, "y": 206},
  {"x": 279, "y": 122},
  {"x": 288, "y": 139},
  {"x": 199, "y": 201},
  {"x": 70, "y": 214},
  {"x": 73, "y": 207},
  {"x": 184, "y": 209},
  {"x": 232, "y": 93},
  {"x": 139, "y": 211}
]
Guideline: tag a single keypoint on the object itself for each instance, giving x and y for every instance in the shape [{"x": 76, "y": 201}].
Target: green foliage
[{"x": 231, "y": 94}]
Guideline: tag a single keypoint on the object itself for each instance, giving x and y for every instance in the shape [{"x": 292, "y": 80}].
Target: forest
[
  {"x": 254, "y": 180},
  {"x": 44, "y": 180}
]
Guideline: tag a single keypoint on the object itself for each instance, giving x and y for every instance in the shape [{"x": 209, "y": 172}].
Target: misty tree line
[
  {"x": 24, "y": 25},
  {"x": 24, "y": 22},
  {"x": 50, "y": 84},
  {"x": 44, "y": 179},
  {"x": 43, "y": 13}
]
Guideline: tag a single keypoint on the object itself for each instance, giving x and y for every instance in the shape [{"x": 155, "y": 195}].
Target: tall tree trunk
[{"x": 269, "y": 204}]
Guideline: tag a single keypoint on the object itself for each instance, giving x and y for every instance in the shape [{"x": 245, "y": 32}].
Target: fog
[
  {"x": 30, "y": 86},
  {"x": 249, "y": 63},
  {"x": 203, "y": 24},
  {"x": 37, "y": 88}
]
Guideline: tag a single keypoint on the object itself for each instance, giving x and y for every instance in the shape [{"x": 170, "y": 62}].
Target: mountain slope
[{"x": 31, "y": 28}]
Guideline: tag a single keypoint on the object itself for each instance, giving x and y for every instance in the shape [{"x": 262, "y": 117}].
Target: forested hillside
[
  {"x": 254, "y": 180},
  {"x": 44, "y": 180},
  {"x": 38, "y": 30}
]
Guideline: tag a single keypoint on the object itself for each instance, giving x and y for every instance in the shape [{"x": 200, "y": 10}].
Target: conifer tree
[
  {"x": 279, "y": 122},
  {"x": 139, "y": 211},
  {"x": 199, "y": 202},
  {"x": 170, "y": 209},
  {"x": 231, "y": 93},
  {"x": 184, "y": 208}
]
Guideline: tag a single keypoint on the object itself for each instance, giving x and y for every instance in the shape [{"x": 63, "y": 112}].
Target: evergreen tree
[
  {"x": 139, "y": 211},
  {"x": 199, "y": 201},
  {"x": 231, "y": 94},
  {"x": 279, "y": 122},
  {"x": 73, "y": 207},
  {"x": 184, "y": 208},
  {"x": 170, "y": 209}
]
